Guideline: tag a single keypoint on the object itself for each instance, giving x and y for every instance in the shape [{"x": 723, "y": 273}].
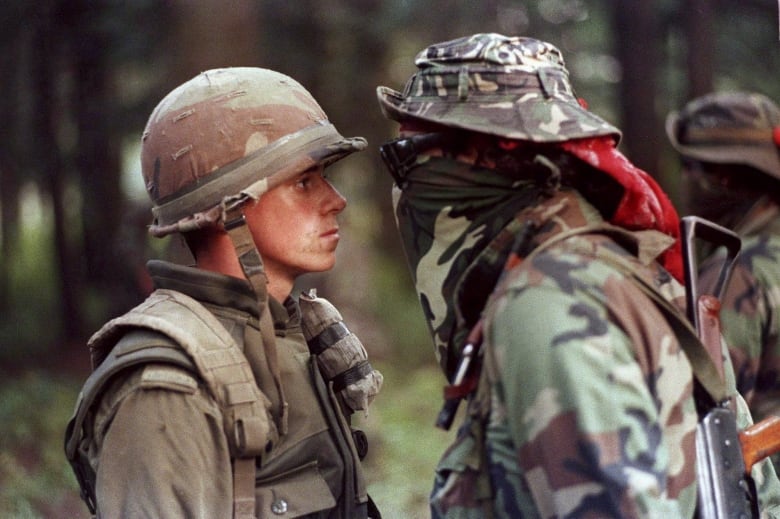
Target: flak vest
[{"x": 288, "y": 480}]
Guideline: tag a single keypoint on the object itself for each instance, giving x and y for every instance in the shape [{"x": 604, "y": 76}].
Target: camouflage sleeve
[
  {"x": 596, "y": 395},
  {"x": 751, "y": 323},
  {"x": 161, "y": 450}
]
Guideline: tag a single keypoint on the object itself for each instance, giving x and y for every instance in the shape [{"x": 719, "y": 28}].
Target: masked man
[{"x": 549, "y": 271}]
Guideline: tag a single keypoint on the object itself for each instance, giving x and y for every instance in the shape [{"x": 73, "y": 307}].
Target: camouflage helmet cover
[
  {"x": 729, "y": 127},
  {"x": 229, "y": 135},
  {"x": 514, "y": 87}
]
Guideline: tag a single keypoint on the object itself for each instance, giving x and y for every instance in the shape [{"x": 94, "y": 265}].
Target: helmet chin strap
[{"x": 252, "y": 265}]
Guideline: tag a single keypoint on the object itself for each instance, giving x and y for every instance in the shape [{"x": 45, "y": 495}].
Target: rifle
[{"x": 724, "y": 455}]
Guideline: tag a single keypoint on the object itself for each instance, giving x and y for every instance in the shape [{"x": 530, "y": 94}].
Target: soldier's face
[{"x": 295, "y": 228}]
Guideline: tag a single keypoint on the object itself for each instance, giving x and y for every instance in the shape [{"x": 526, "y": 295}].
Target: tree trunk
[
  {"x": 46, "y": 42},
  {"x": 9, "y": 213},
  {"x": 93, "y": 106},
  {"x": 9, "y": 175},
  {"x": 636, "y": 38},
  {"x": 698, "y": 19},
  {"x": 209, "y": 34}
]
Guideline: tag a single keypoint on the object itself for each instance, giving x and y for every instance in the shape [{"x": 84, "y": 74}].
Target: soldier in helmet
[
  {"x": 549, "y": 271},
  {"x": 222, "y": 395},
  {"x": 729, "y": 145}
]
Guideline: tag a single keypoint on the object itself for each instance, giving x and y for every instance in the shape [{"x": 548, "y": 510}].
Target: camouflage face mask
[{"x": 447, "y": 213}]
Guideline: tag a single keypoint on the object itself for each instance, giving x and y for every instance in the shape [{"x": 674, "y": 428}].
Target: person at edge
[
  {"x": 531, "y": 237},
  {"x": 729, "y": 148},
  {"x": 208, "y": 400}
]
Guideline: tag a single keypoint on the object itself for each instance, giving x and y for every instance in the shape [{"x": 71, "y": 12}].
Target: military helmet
[
  {"x": 229, "y": 135},
  {"x": 729, "y": 127},
  {"x": 513, "y": 87}
]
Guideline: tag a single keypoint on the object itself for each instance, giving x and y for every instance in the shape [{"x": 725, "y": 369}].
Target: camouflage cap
[
  {"x": 729, "y": 127},
  {"x": 512, "y": 87}
]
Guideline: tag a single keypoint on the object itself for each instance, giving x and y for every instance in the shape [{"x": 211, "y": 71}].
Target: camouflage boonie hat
[
  {"x": 729, "y": 127},
  {"x": 512, "y": 87}
]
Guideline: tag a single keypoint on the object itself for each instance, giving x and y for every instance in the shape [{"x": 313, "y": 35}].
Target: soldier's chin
[{"x": 325, "y": 264}]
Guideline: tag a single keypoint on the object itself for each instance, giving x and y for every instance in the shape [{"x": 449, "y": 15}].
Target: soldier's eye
[{"x": 303, "y": 181}]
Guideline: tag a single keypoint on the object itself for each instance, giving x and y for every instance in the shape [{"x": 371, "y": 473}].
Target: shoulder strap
[
  {"x": 134, "y": 348},
  {"x": 137, "y": 347},
  {"x": 197, "y": 340},
  {"x": 219, "y": 361}
]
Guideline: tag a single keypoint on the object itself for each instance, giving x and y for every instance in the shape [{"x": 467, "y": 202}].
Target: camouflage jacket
[
  {"x": 584, "y": 407},
  {"x": 751, "y": 310}
]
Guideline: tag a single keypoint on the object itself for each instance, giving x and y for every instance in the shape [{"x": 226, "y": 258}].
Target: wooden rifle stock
[{"x": 760, "y": 441}]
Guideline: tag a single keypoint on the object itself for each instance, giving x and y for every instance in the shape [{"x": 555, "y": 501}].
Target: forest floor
[{"x": 37, "y": 394}]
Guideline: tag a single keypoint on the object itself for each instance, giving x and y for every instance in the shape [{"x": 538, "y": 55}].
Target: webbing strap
[
  {"x": 140, "y": 347},
  {"x": 327, "y": 337},
  {"x": 224, "y": 368},
  {"x": 244, "y": 488},
  {"x": 146, "y": 347},
  {"x": 220, "y": 362},
  {"x": 704, "y": 369},
  {"x": 252, "y": 266},
  {"x": 352, "y": 375}
]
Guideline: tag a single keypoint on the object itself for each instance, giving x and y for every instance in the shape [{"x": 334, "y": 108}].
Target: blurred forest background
[{"x": 80, "y": 77}]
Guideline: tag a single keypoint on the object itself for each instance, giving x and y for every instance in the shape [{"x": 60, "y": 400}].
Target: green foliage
[
  {"x": 35, "y": 478},
  {"x": 404, "y": 444},
  {"x": 33, "y": 288},
  {"x": 401, "y": 313},
  {"x": 747, "y": 49}
]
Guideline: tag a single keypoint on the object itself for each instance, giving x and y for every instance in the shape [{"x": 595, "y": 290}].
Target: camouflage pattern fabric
[
  {"x": 447, "y": 214},
  {"x": 580, "y": 411},
  {"x": 228, "y": 135},
  {"x": 735, "y": 134},
  {"x": 584, "y": 406},
  {"x": 750, "y": 311},
  {"x": 513, "y": 87},
  {"x": 729, "y": 128}
]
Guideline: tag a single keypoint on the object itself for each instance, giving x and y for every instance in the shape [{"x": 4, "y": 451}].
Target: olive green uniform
[{"x": 182, "y": 468}]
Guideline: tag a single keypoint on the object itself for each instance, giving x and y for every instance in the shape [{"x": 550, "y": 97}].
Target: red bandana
[{"x": 644, "y": 204}]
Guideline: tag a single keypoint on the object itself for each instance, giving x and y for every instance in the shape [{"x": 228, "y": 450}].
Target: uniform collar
[{"x": 219, "y": 290}]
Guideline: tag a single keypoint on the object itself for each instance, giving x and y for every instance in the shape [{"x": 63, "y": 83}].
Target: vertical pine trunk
[
  {"x": 698, "y": 19},
  {"x": 52, "y": 166},
  {"x": 636, "y": 43}
]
